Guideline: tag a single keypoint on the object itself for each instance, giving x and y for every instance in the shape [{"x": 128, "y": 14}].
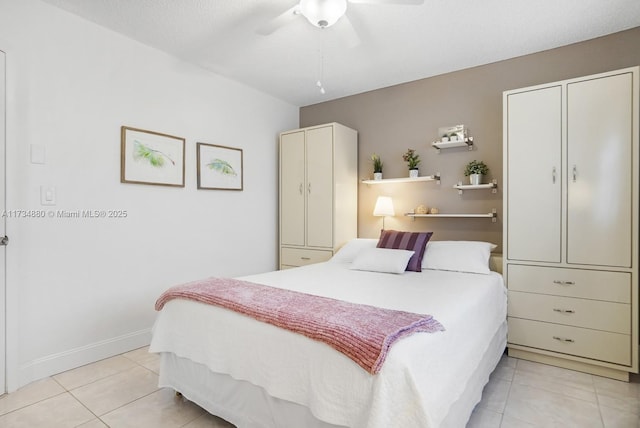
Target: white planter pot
[
  {"x": 475, "y": 179},
  {"x": 377, "y": 176},
  {"x": 413, "y": 173}
]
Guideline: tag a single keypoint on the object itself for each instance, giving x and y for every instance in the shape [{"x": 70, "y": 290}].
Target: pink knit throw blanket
[{"x": 361, "y": 332}]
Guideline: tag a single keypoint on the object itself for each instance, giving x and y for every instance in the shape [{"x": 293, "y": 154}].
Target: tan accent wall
[{"x": 392, "y": 119}]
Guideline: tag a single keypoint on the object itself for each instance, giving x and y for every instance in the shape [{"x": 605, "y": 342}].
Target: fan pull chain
[{"x": 321, "y": 66}]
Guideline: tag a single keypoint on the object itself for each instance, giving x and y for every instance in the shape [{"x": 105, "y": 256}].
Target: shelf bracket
[
  {"x": 494, "y": 219},
  {"x": 494, "y": 189}
]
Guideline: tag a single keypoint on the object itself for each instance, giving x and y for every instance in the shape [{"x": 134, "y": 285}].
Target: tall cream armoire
[
  {"x": 318, "y": 192},
  {"x": 571, "y": 222}
]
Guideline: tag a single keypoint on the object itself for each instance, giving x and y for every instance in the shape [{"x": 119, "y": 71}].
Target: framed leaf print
[
  {"x": 219, "y": 167},
  {"x": 149, "y": 157}
]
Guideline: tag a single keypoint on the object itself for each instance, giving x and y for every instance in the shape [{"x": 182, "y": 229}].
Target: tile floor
[{"x": 122, "y": 392}]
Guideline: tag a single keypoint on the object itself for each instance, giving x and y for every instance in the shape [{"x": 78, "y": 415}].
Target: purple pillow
[{"x": 412, "y": 241}]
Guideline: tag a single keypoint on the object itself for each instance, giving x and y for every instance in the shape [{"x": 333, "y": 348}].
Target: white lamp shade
[
  {"x": 323, "y": 13},
  {"x": 384, "y": 207}
]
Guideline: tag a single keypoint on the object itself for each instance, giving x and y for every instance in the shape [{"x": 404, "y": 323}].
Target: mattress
[
  {"x": 250, "y": 406},
  {"x": 421, "y": 380}
]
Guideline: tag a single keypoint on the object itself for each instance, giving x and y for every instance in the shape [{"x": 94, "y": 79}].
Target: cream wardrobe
[
  {"x": 571, "y": 222},
  {"x": 318, "y": 192}
]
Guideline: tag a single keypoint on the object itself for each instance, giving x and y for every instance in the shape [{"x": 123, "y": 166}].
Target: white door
[
  {"x": 599, "y": 165},
  {"x": 320, "y": 187},
  {"x": 292, "y": 189},
  {"x": 534, "y": 151},
  {"x": 3, "y": 339}
]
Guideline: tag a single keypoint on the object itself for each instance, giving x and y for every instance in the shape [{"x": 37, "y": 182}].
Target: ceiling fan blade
[
  {"x": 349, "y": 33},
  {"x": 409, "y": 2},
  {"x": 279, "y": 21}
]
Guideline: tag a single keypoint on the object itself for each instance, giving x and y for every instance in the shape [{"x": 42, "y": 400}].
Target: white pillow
[
  {"x": 382, "y": 260},
  {"x": 350, "y": 250},
  {"x": 459, "y": 256}
]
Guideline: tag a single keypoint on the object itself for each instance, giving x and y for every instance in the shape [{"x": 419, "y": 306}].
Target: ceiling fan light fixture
[{"x": 323, "y": 13}]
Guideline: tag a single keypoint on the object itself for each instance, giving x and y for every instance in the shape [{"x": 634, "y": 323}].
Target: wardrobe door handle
[
  {"x": 575, "y": 173},
  {"x": 553, "y": 175},
  {"x": 309, "y": 188},
  {"x": 300, "y": 188}
]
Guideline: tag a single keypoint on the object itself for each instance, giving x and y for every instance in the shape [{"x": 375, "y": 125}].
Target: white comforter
[{"x": 422, "y": 376}]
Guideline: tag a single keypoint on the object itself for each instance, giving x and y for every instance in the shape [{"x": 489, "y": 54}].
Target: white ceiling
[{"x": 398, "y": 43}]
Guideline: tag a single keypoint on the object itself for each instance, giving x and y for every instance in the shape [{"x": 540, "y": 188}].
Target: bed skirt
[{"x": 249, "y": 406}]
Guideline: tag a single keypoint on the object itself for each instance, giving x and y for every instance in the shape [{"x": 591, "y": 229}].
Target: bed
[{"x": 254, "y": 374}]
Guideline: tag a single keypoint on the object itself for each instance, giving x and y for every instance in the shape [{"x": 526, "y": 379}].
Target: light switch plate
[
  {"x": 47, "y": 195},
  {"x": 38, "y": 154}
]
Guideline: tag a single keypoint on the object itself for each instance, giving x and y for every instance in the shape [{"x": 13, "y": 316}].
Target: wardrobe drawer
[
  {"x": 588, "y": 284},
  {"x": 594, "y": 314},
  {"x": 302, "y": 257},
  {"x": 581, "y": 342}
]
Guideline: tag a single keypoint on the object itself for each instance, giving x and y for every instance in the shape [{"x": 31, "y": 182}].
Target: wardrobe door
[
  {"x": 599, "y": 166},
  {"x": 534, "y": 175},
  {"x": 320, "y": 187},
  {"x": 292, "y": 189}
]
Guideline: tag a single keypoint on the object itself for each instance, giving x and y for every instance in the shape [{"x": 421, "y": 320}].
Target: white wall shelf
[
  {"x": 462, "y": 187},
  {"x": 493, "y": 215},
  {"x": 435, "y": 177},
  {"x": 467, "y": 142}
]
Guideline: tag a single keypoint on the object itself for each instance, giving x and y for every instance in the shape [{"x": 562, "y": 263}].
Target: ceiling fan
[{"x": 323, "y": 13}]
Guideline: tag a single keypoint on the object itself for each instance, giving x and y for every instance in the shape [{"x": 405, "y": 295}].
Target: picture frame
[
  {"x": 149, "y": 157},
  {"x": 219, "y": 167}
]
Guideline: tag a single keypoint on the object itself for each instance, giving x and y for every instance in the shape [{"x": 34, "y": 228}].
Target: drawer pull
[
  {"x": 564, "y": 311},
  {"x": 305, "y": 258},
  {"x": 560, "y": 282},
  {"x": 563, "y": 339}
]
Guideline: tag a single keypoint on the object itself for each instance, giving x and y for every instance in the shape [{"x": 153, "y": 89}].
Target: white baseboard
[{"x": 73, "y": 358}]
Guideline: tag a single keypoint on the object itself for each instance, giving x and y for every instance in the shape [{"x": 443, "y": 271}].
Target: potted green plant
[
  {"x": 475, "y": 170},
  {"x": 377, "y": 166},
  {"x": 413, "y": 160}
]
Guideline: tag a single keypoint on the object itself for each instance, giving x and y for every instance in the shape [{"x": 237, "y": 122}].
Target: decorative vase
[
  {"x": 413, "y": 173},
  {"x": 421, "y": 209},
  {"x": 475, "y": 179},
  {"x": 377, "y": 176}
]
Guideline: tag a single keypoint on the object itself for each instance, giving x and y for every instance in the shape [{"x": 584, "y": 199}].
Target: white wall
[{"x": 84, "y": 289}]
